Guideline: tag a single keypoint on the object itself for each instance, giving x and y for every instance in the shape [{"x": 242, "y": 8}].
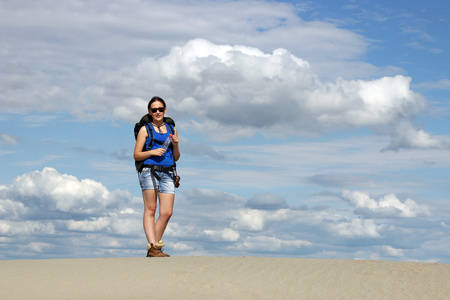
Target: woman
[{"x": 157, "y": 176}]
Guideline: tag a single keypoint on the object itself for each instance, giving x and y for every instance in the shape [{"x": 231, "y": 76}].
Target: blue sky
[{"x": 311, "y": 129}]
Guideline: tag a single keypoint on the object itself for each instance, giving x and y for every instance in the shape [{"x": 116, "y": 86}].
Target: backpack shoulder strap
[
  {"x": 171, "y": 127},
  {"x": 150, "y": 135}
]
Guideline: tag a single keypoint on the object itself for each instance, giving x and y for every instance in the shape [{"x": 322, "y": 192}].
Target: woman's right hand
[{"x": 157, "y": 152}]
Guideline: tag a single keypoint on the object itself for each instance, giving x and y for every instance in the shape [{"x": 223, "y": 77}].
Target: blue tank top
[{"x": 166, "y": 160}]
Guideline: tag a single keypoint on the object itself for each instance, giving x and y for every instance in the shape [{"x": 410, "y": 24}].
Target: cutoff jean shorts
[{"x": 149, "y": 182}]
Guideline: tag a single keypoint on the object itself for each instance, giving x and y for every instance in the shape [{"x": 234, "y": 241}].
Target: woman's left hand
[{"x": 174, "y": 139}]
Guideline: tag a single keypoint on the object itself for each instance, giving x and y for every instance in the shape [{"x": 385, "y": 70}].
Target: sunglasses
[{"x": 160, "y": 109}]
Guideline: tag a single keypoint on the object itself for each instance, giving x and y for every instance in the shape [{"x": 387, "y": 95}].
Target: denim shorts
[{"x": 149, "y": 182}]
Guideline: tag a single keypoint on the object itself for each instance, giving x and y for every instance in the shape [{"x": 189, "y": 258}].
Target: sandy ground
[{"x": 222, "y": 278}]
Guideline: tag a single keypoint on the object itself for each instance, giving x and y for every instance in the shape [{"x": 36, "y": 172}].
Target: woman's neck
[{"x": 158, "y": 124}]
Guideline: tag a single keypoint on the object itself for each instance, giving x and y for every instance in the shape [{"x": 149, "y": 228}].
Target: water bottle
[{"x": 166, "y": 143}]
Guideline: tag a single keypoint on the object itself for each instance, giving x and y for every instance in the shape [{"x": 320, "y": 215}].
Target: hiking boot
[
  {"x": 165, "y": 255},
  {"x": 159, "y": 245},
  {"x": 152, "y": 252}
]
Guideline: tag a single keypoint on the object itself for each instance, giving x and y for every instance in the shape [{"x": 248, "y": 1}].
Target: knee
[
  {"x": 149, "y": 210},
  {"x": 166, "y": 214}
]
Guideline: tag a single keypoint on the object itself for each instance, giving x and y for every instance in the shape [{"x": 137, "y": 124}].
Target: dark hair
[{"x": 154, "y": 99}]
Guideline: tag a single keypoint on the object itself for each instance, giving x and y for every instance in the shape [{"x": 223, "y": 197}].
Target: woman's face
[{"x": 157, "y": 111}]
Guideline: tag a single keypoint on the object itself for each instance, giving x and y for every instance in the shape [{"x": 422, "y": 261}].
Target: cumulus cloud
[
  {"x": 52, "y": 191},
  {"x": 405, "y": 135},
  {"x": 50, "y": 73},
  {"x": 236, "y": 91},
  {"x": 393, "y": 252},
  {"x": 206, "y": 222},
  {"x": 26, "y": 228},
  {"x": 115, "y": 224},
  {"x": 260, "y": 84},
  {"x": 43, "y": 205},
  {"x": 387, "y": 206},
  {"x": 261, "y": 72},
  {"x": 251, "y": 220},
  {"x": 358, "y": 228},
  {"x": 227, "y": 234},
  {"x": 130, "y": 32},
  {"x": 11, "y": 209},
  {"x": 38, "y": 247}
]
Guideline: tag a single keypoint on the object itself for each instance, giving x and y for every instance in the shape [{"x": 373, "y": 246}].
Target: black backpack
[
  {"x": 148, "y": 119},
  {"x": 143, "y": 122}
]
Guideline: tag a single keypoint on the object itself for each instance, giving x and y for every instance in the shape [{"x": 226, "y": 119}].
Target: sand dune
[{"x": 222, "y": 278}]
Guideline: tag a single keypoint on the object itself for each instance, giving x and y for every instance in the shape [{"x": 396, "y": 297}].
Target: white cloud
[
  {"x": 271, "y": 244},
  {"x": 112, "y": 224},
  {"x": 387, "y": 206},
  {"x": 41, "y": 207},
  {"x": 227, "y": 235},
  {"x": 182, "y": 247},
  {"x": 252, "y": 220},
  {"x": 257, "y": 72},
  {"x": 130, "y": 32},
  {"x": 51, "y": 190},
  {"x": 260, "y": 72},
  {"x": 390, "y": 251},
  {"x": 94, "y": 224},
  {"x": 11, "y": 209},
  {"x": 24, "y": 89},
  {"x": 177, "y": 230},
  {"x": 358, "y": 228},
  {"x": 126, "y": 226},
  {"x": 50, "y": 76},
  {"x": 236, "y": 91},
  {"x": 206, "y": 222},
  {"x": 38, "y": 247},
  {"x": 405, "y": 135},
  {"x": 128, "y": 211},
  {"x": 354, "y": 162},
  {"x": 25, "y": 228}
]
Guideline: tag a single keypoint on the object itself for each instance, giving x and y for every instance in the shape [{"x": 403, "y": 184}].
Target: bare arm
[
  {"x": 176, "y": 150},
  {"x": 140, "y": 155}
]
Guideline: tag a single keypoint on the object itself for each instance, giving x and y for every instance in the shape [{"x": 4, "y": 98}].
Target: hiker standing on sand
[{"x": 157, "y": 177}]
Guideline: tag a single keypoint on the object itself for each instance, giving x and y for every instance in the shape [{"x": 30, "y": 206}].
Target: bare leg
[
  {"x": 165, "y": 212},
  {"x": 150, "y": 197}
]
